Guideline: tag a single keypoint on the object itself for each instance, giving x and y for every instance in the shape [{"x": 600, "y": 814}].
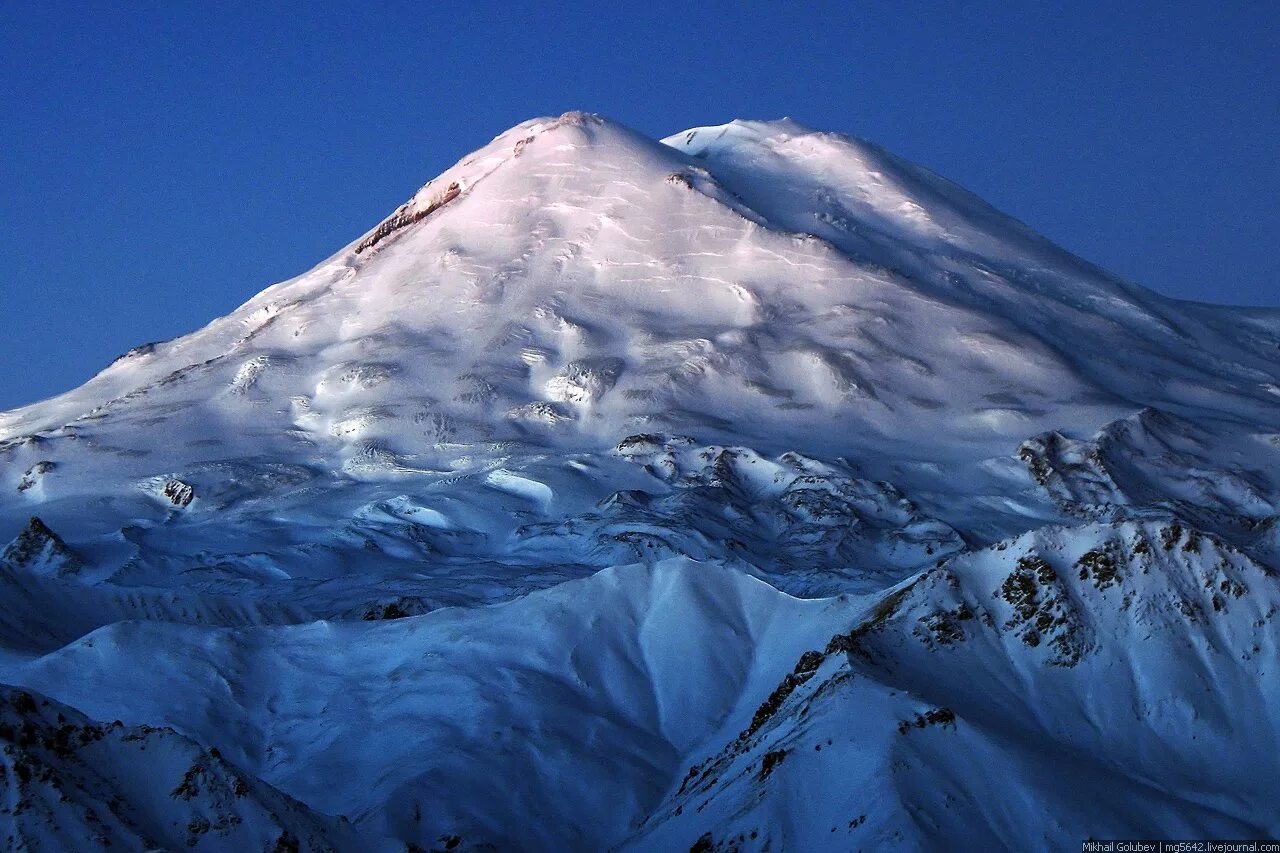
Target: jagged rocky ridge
[
  {"x": 40, "y": 551},
  {"x": 1123, "y": 671},
  {"x": 501, "y": 511},
  {"x": 71, "y": 783}
]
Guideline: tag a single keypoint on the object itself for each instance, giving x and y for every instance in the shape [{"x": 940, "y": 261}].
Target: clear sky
[{"x": 162, "y": 162}]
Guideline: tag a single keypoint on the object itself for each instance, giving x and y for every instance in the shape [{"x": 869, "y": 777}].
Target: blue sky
[{"x": 162, "y": 162}]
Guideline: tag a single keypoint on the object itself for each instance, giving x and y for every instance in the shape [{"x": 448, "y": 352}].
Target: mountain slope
[
  {"x": 501, "y": 510},
  {"x": 1111, "y": 680},
  {"x": 575, "y": 704},
  {"x": 573, "y": 283}
]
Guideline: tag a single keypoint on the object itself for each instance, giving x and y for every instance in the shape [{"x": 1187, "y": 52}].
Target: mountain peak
[
  {"x": 736, "y": 131},
  {"x": 574, "y": 282}
]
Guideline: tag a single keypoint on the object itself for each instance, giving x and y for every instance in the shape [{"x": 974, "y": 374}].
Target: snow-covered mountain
[{"x": 747, "y": 489}]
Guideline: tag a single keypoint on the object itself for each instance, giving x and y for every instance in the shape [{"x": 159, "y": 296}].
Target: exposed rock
[
  {"x": 771, "y": 760},
  {"x": 34, "y": 474},
  {"x": 936, "y": 717},
  {"x": 39, "y": 549},
  {"x": 138, "y": 351},
  {"x": 179, "y": 493},
  {"x": 406, "y": 216}
]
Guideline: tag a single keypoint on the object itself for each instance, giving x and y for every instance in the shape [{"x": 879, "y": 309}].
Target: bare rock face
[
  {"x": 407, "y": 215},
  {"x": 39, "y": 549},
  {"x": 35, "y": 474},
  {"x": 180, "y": 493}
]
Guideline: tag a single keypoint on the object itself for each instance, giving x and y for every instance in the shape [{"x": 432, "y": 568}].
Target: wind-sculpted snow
[
  {"x": 809, "y": 527},
  {"x": 362, "y": 535}
]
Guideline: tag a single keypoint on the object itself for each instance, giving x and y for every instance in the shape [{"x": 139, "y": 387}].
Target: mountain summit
[{"x": 590, "y": 408}]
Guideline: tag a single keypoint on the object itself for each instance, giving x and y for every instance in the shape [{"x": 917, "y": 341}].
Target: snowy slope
[
  {"x": 575, "y": 704},
  {"x": 1123, "y": 675},
  {"x": 744, "y": 363}
]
